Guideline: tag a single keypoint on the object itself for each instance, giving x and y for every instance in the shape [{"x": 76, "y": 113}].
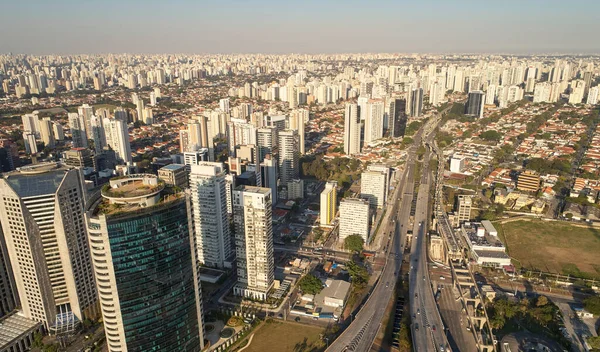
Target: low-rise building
[
  {"x": 174, "y": 175},
  {"x": 17, "y": 332},
  {"x": 528, "y": 181},
  {"x": 485, "y": 247}
]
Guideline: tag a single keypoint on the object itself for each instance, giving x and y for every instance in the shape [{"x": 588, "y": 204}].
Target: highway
[
  {"x": 360, "y": 334},
  {"x": 428, "y": 330}
]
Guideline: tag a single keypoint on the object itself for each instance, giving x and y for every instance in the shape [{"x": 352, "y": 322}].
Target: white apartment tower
[
  {"x": 373, "y": 187},
  {"x": 42, "y": 215},
  {"x": 209, "y": 209},
  {"x": 354, "y": 218},
  {"x": 252, "y": 218},
  {"x": 78, "y": 132},
  {"x": 117, "y": 136},
  {"x": 352, "y": 130}
]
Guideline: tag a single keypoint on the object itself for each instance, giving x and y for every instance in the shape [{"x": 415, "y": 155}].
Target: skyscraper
[
  {"x": 268, "y": 173},
  {"x": 354, "y": 218},
  {"x": 145, "y": 264},
  {"x": 266, "y": 141},
  {"x": 41, "y": 211},
  {"x": 253, "y": 222},
  {"x": 78, "y": 133},
  {"x": 297, "y": 122},
  {"x": 373, "y": 121},
  {"x": 289, "y": 167},
  {"x": 211, "y": 225},
  {"x": 415, "y": 102},
  {"x": 398, "y": 118},
  {"x": 328, "y": 203},
  {"x": 475, "y": 102},
  {"x": 117, "y": 136},
  {"x": 47, "y": 132},
  {"x": 352, "y": 129},
  {"x": 373, "y": 187}
]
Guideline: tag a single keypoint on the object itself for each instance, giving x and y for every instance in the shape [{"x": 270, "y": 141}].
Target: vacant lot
[
  {"x": 284, "y": 337},
  {"x": 557, "y": 247}
]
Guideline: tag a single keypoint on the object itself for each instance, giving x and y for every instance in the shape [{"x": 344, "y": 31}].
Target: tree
[
  {"x": 594, "y": 342},
  {"x": 358, "y": 273},
  {"x": 592, "y": 305},
  {"x": 310, "y": 284},
  {"x": 490, "y": 135},
  {"x": 541, "y": 301},
  {"x": 354, "y": 243}
]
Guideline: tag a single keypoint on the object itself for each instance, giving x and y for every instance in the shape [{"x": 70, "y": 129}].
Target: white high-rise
[
  {"x": 97, "y": 133},
  {"x": 209, "y": 208},
  {"x": 117, "y": 136},
  {"x": 354, "y": 218},
  {"x": 373, "y": 187},
  {"x": 374, "y": 121},
  {"x": 592, "y": 98},
  {"x": 42, "y": 216},
  {"x": 253, "y": 222},
  {"x": 352, "y": 130}
]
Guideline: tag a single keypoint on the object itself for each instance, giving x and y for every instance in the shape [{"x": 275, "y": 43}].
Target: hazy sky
[{"x": 298, "y": 26}]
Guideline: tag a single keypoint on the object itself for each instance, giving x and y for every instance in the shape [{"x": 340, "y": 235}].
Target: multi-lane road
[
  {"x": 360, "y": 334},
  {"x": 427, "y": 327}
]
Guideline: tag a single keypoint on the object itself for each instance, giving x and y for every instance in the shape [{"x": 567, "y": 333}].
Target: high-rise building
[
  {"x": 146, "y": 267},
  {"x": 211, "y": 224},
  {"x": 475, "y": 103},
  {"x": 42, "y": 215},
  {"x": 374, "y": 121},
  {"x": 97, "y": 133},
  {"x": 253, "y": 222},
  {"x": 297, "y": 122},
  {"x": 117, "y": 136},
  {"x": 8, "y": 291},
  {"x": 30, "y": 143},
  {"x": 47, "y": 132},
  {"x": 415, "y": 99},
  {"x": 328, "y": 203},
  {"x": 224, "y": 105},
  {"x": 592, "y": 98},
  {"x": 266, "y": 140},
  {"x": 295, "y": 189},
  {"x": 373, "y": 187},
  {"x": 78, "y": 132},
  {"x": 352, "y": 130},
  {"x": 355, "y": 218},
  {"x": 398, "y": 117},
  {"x": 463, "y": 213},
  {"x": 289, "y": 167},
  {"x": 85, "y": 112},
  {"x": 268, "y": 173}
]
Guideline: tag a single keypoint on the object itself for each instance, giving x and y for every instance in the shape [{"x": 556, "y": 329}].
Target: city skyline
[{"x": 315, "y": 27}]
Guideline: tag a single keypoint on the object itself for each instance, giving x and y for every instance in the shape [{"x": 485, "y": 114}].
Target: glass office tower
[{"x": 145, "y": 265}]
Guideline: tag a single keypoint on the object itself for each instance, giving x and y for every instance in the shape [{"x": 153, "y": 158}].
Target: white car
[{"x": 442, "y": 278}]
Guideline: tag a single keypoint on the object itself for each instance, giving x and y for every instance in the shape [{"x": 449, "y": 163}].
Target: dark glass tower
[{"x": 145, "y": 266}]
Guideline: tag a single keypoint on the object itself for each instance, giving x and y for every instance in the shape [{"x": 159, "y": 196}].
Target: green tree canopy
[
  {"x": 310, "y": 284},
  {"x": 354, "y": 243},
  {"x": 358, "y": 273},
  {"x": 592, "y": 305},
  {"x": 490, "y": 135}
]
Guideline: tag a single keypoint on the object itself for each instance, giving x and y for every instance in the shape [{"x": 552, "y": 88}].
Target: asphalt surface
[
  {"x": 428, "y": 331},
  {"x": 361, "y": 333}
]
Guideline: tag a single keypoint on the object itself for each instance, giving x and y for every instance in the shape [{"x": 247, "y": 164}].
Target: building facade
[
  {"x": 211, "y": 223},
  {"x": 42, "y": 215},
  {"x": 145, "y": 264},
  {"x": 328, "y": 203},
  {"x": 355, "y": 218},
  {"x": 253, "y": 222}
]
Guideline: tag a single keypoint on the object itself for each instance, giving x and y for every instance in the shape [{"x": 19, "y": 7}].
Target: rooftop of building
[
  {"x": 133, "y": 187},
  {"x": 14, "y": 326},
  {"x": 173, "y": 167},
  {"x": 253, "y": 189},
  {"x": 37, "y": 179},
  {"x": 487, "y": 240}
]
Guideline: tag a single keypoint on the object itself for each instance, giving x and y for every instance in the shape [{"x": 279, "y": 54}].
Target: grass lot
[
  {"x": 286, "y": 337},
  {"x": 557, "y": 247}
]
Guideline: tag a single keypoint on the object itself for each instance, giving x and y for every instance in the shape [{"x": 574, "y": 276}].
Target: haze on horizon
[{"x": 268, "y": 26}]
